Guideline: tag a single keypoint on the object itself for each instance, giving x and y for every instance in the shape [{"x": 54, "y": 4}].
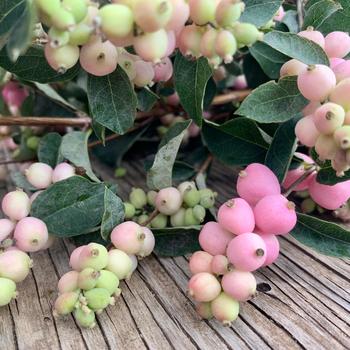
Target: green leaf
[
  {"x": 190, "y": 79},
  {"x": 112, "y": 100},
  {"x": 49, "y": 149},
  {"x": 113, "y": 213},
  {"x": 74, "y": 148},
  {"x": 294, "y": 46},
  {"x": 327, "y": 176},
  {"x": 70, "y": 207},
  {"x": 182, "y": 171},
  {"x": 10, "y": 11},
  {"x": 259, "y": 12},
  {"x": 237, "y": 142},
  {"x": 99, "y": 130},
  {"x": 282, "y": 148},
  {"x": 210, "y": 93},
  {"x": 290, "y": 19},
  {"x": 253, "y": 72},
  {"x": 146, "y": 99},
  {"x": 274, "y": 102},
  {"x": 20, "y": 181},
  {"x": 323, "y": 236},
  {"x": 176, "y": 241},
  {"x": 319, "y": 12},
  {"x": 270, "y": 60},
  {"x": 32, "y": 66},
  {"x": 160, "y": 174},
  {"x": 21, "y": 37}
]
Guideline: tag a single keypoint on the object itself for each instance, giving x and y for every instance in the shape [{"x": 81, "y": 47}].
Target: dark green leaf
[
  {"x": 182, "y": 171},
  {"x": 323, "y": 236},
  {"x": 112, "y": 100},
  {"x": 74, "y": 148},
  {"x": 210, "y": 93},
  {"x": 294, "y": 46},
  {"x": 319, "y": 12},
  {"x": 70, "y": 207},
  {"x": 191, "y": 78},
  {"x": 32, "y": 66},
  {"x": 282, "y": 148},
  {"x": 290, "y": 19},
  {"x": 274, "y": 102},
  {"x": 10, "y": 11},
  {"x": 49, "y": 149},
  {"x": 99, "y": 130},
  {"x": 254, "y": 74},
  {"x": 327, "y": 176},
  {"x": 113, "y": 213},
  {"x": 237, "y": 142},
  {"x": 160, "y": 174},
  {"x": 259, "y": 12},
  {"x": 176, "y": 241},
  {"x": 146, "y": 99}
]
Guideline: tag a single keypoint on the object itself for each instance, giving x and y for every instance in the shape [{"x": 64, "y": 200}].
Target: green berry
[
  {"x": 142, "y": 218},
  {"x": 98, "y": 298},
  {"x": 308, "y": 206},
  {"x": 78, "y": 8},
  {"x": 63, "y": 20},
  {"x": 160, "y": 221},
  {"x": 138, "y": 198},
  {"x": 48, "y": 7},
  {"x": 178, "y": 219},
  {"x": 207, "y": 198},
  {"x": 66, "y": 303},
  {"x": 58, "y": 37},
  {"x": 186, "y": 186},
  {"x": 199, "y": 213},
  {"x": 7, "y": 291},
  {"x": 80, "y": 35},
  {"x": 109, "y": 281},
  {"x": 33, "y": 142},
  {"x": 85, "y": 318},
  {"x": 246, "y": 34},
  {"x": 87, "y": 278},
  {"x": 129, "y": 210},
  {"x": 192, "y": 197},
  {"x": 151, "y": 198},
  {"x": 120, "y": 172},
  {"x": 190, "y": 219}
]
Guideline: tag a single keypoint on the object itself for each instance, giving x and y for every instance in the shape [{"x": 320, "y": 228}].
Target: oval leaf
[
  {"x": 49, "y": 149},
  {"x": 328, "y": 176},
  {"x": 10, "y": 11}
]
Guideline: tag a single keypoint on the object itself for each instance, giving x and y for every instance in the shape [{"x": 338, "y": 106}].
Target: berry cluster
[
  {"x": 181, "y": 206},
  {"x": 94, "y": 281},
  {"x": 243, "y": 240},
  {"x": 326, "y": 125},
  {"x": 81, "y": 31}
]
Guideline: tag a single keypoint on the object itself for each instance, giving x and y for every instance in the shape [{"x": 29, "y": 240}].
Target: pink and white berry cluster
[{"x": 326, "y": 122}]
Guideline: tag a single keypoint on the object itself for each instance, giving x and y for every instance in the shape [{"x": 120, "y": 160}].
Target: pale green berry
[
  {"x": 142, "y": 219},
  {"x": 109, "y": 281},
  {"x": 199, "y": 213},
  {"x": 66, "y": 303},
  {"x": 246, "y": 34},
  {"x": 160, "y": 221},
  {"x": 87, "y": 278},
  {"x": 120, "y": 172},
  {"x": 98, "y": 299},
  {"x": 192, "y": 197},
  {"x": 151, "y": 198},
  {"x": 33, "y": 142},
  {"x": 85, "y": 318},
  {"x": 308, "y": 206},
  {"x": 80, "y": 35},
  {"x": 129, "y": 210},
  {"x": 190, "y": 219},
  {"x": 63, "y": 20},
  {"x": 178, "y": 219},
  {"x": 58, "y": 37},
  {"x": 78, "y": 8},
  {"x": 7, "y": 291},
  {"x": 138, "y": 198},
  {"x": 207, "y": 198}
]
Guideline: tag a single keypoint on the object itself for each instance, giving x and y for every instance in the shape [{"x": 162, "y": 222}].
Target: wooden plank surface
[{"x": 304, "y": 305}]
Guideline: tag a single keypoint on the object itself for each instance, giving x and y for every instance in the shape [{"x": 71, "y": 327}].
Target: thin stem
[
  {"x": 205, "y": 165},
  {"x": 300, "y": 11},
  {"x": 11, "y": 161},
  {"x": 290, "y": 189},
  {"x": 233, "y": 96},
  {"x": 44, "y": 121},
  {"x": 150, "y": 218}
]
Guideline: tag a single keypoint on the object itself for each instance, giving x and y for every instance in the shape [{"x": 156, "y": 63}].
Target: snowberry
[
  {"x": 239, "y": 285},
  {"x": 179, "y": 16},
  {"x": 48, "y": 7},
  {"x": 163, "y": 71},
  {"x": 202, "y": 11},
  {"x": 204, "y": 287},
  {"x": 225, "y": 309},
  {"x": 77, "y": 7},
  {"x": 207, "y": 198},
  {"x": 240, "y": 82},
  {"x": 225, "y": 45},
  {"x": 191, "y": 197},
  {"x": 214, "y": 239},
  {"x": 279, "y": 14},
  {"x": 189, "y": 40},
  {"x": 87, "y": 278},
  {"x": 99, "y": 58},
  {"x": 178, "y": 219},
  {"x": 313, "y": 35},
  {"x": 66, "y": 303},
  {"x": 68, "y": 282},
  {"x": 14, "y": 95},
  {"x": 236, "y": 216},
  {"x": 119, "y": 263},
  {"x": 337, "y": 44},
  {"x": 62, "y": 171},
  {"x": 80, "y": 35},
  {"x": 127, "y": 62},
  {"x": 85, "y": 319},
  {"x": 275, "y": 214},
  {"x": 199, "y": 213},
  {"x": 316, "y": 82},
  {"x": 246, "y": 33},
  {"x": 109, "y": 281},
  {"x": 7, "y": 291},
  {"x": 6, "y": 228},
  {"x": 255, "y": 182},
  {"x": 16, "y": 205},
  {"x": 219, "y": 265},
  {"x": 134, "y": 263},
  {"x": 93, "y": 255},
  {"x": 144, "y": 73},
  {"x": 247, "y": 252},
  {"x": 138, "y": 198},
  {"x": 152, "y": 15},
  {"x": 334, "y": 61},
  {"x": 329, "y": 197},
  {"x": 306, "y": 131},
  {"x": 200, "y": 262},
  {"x": 204, "y": 310},
  {"x": 63, "y": 19},
  {"x": 160, "y": 221},
  {"x": 74, "y": 261},
  {"x": 292, "y": 67},
  {"x": 129, "y": 237},
  {"x": 129, "y": 210},
  {"x": 329, "y": 117},
  {"x": 308, "y": 206},
  {"x": 342, "y": 137},
  {"x": 98, "y": 298},
  {"x": 326, "y": 147},
  {"x": 190, "y": 218},
  {"x": 147, "y": 244},
  {"x": 272, "y": 248},
  {"x": 208, "y": 40},
  {"x": 342, "y": 71},
  {"x": 31, "y": 234},
  {"x": 39, "y": 175},
  {"x": 15, "y": 265},
  {"x": 151, "y": 198},
  {"x": 228, "y": 12},
  {"x": 62, "y": 58},
  {"x": 340, "y": 94},
  {"x": 186, "y": 186},
  {"x": 168, "y": 200}
]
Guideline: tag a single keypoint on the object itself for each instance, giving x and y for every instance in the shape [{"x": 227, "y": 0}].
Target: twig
[
  {"x": 150, "y": 218},
  {"x": 205, "y": 165},
  {"x": 300, "y": 9},
  {"x": 234, "y": 96},
  {"x": 12, "y": 161},
  {"x": 290, "y": 189},
  {"x": 44, "y": 121}
]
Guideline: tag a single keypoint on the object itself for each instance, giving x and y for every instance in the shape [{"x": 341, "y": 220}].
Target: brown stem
[
  {"x": 11, "y": 161},
  {"x": 233, "y": 96},
  {"x": 44, "y": 121},
  {"x": 150, "y": 218},
  {"x": 300, "y": 9},
  {"x": 290, "y": 189},
  {"x": 205, "y": 165}
]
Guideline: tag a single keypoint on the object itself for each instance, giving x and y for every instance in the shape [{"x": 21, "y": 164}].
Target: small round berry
[
  {"x": 200, "y": 262},
  {"x": 39, "y": 175},
  {"x": 337, "y": 44},
  {"x": 240, "y": 285},
  {"x": 168, "y": 201},
  {"x": 204, "y": 287},
  {"x": 225, "y": 309}
]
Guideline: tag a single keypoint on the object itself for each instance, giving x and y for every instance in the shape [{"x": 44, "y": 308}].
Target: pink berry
[
  {"x": 148, "y": 243},
  {"x": 225, "y": 309},
  {"x": 121, "y": 264},
  {"x": 173, "y": 100},
  {"x": 14, "y": 94},
  {"x": 144, "y": 73},
  {"x": 168, "y": 200},
  {"x": 306, "y": 131},
  {"x": 311, "y": 108},
  {"x": 236, "y": 216},
  {"x": 342, "y": 137},
  {"x": 342, "y": 70},
  {"x": 337, "y": 44},
  {"x": 329, "y": 117},
  {"x": 62, "y": 171},
  {"x": 74, "y": 262},
  {"x": 313, "y": 35},
  {"x": 326, "y": 147},
  {"x": 292, "y": 67},
  {"x": 31, "y": 234},
  {"x": 225, "y": 45},
  {"x": 316, "y": 82},
  {"x": 272, "y": 248},
  {"x": 208, "y": 40},
  {"x": 68, "y": 282},
  {"x": 200, "y": 262},
  {"x": 171, "y": 43},
  {"x": 6, "y": 228},
  {"x": 202, "y": 11},
  {"x": 34, "y": 196},
  {"x": 39, "y": 175},
  {"x": 180, "y": 14},
  {"x": 340, "y": 94},
  {"x": 204, "y": 287},
  {"x": 247, "y": 252},
  {"x": 66, "y": 303},
  {"x": 275, "y": 214},
  {"x": 214, "y": 239},
  {"x": 334, "y": 61},
  {"x": 240, "y": 82},
  {"x": 93, "y": 256},
  {"x": 163, "y": 71},
  {"x": 280, "y": 14},
  {"x": 255, "y": 182},
  {"x": 129, "y": 237},
  {"x": 240, "y": 285},
  {"x": 189, "y": 40},
  {"x": 15, "y": 265},
  {"x": 295, "y": 174},
  {"x": 16, "y": 205},
  {"x": 329, "y": 197},
  {"x": 219, "y": 265}
]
